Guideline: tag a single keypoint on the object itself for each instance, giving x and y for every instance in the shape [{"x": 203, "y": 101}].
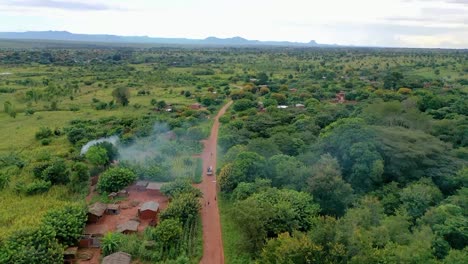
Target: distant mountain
[{"x": 67, "y": 36}]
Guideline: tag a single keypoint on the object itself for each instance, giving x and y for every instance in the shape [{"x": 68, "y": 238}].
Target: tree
[
  {"x": 97, "y": 156},
  {"x": 273, "y": 211},
  {"x": 449, "y": 222},
  {"x": 168, "y": 233},
  {"x": 33, "y": 246},
  {"x": 114, "y": 179},
  {"x": 179, "y": 186},
  {"x": 328, "y": 188},
  {"x": 184, "y": 207},
  {"x": 246, "y": 189},
  {"x": 243, "y": 104},
  {"x": 297, "y": 249},
  {"x": 246, "y": 168},
  {"x": 286, "y": 171},
  {"x": 57, "y": 172},
  {"x": 68, "y": 223},
  {"x": 121, "y": 95},
  {"x": 419, "y": 196},
  {"x": 111, "y": 150}
]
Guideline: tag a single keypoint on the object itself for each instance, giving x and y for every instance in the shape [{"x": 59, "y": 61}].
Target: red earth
[{"x": 213, "y": 252}]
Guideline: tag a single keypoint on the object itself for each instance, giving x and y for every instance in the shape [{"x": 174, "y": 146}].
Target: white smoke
[{"x": 113, "y": 140}]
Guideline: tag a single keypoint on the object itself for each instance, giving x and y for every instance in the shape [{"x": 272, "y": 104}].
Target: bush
[
  {"x": 46, "y": 141},
  {"x": 114, "y": 179},
  {"x": 29, "y": 111},
  {"x": 68, "y": 223},
  {"x": 37, "y": 187},
  {"x": 44, "y": 132}
]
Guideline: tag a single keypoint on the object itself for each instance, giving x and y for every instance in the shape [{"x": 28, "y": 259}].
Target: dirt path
[{"x": 213, "y": 252}]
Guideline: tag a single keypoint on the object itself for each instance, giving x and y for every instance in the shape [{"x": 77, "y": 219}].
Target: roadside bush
[{"x": 114, "y": 179}]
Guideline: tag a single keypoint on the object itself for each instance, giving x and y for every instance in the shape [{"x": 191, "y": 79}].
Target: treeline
[{"x": 378, "y": 180}]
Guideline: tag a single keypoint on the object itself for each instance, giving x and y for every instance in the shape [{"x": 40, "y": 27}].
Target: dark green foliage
[
  {"x": 76, "y": 134},
  {"x": 43, "y": 133},
  {"x": 35, "y": 245},
  {"x": 179, "y": 186},
  {"x": 97, "y": 156},
  {"x": 328, "y": 188},
  {"x": 243, "y": 104},
  {"x": 68, "y": 223},
  {"x": 184, "y": 207},
  {"x": 114, "y": 179},
  {"x": 36, "y": 187},
  {"x": 121, "y": 95},
  {"x": 419, "y": 196},
  {"x": 271, "y": 212},
  {"x": 169, "y": 233},
  {"x": 245, "y": 168},
  {"x": 57, "y": 172}
]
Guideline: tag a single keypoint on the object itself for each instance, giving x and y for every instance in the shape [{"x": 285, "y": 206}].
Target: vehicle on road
[{"x": 209, "y": 171}]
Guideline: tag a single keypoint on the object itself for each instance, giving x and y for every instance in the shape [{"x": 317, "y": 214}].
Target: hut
[
  {"x": 154, "y": 186},
  {"x": 96, "y": 211},
  {"x": 117, "y": 258},
  {"x": 69, "y": 255},
  {"x": 92, "y": 236},
  {"x": 122, "y": 193},
  {"x": 148, "y": 210},
  {"x": 282, "y": 106},
  {"x": 141, "y": 185},
  {"x": 129, "y": 227},
  {"x": 113, "y": 209},
  {"x": 196, "y": 106}
]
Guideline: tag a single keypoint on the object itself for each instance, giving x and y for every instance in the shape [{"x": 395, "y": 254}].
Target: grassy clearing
[{"x": 232, "y": 238}]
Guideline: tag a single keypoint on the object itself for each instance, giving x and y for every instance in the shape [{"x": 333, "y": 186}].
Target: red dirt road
[{"x": 213, "y": 252}]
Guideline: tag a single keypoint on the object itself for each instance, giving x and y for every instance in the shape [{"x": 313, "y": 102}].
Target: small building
[
  {"x": 148, "y": 210},
  {"x": 282, "y": 106},
  {"x": 69, "y": 255},
  {"x": 300, "y": 106},
  {"x": 154, "y": 186},
  {"x": 96, "y": 211},
  {"x": 122, "y": 193},
  {"x": 92, "y": 235},
  {"x": 117, "y": 258},
  {"x": 129, "y": 227},
  {"x": 196, "y": 106},
  {"x": 141, "y": 185},
  {"x": 113, "y": 209},
  {"x": 293, "y": 90}
]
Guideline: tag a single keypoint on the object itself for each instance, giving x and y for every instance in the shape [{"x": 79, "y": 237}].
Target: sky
[{"x": 390, "y": 23}]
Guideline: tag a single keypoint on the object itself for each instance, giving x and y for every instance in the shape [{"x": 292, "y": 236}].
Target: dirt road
[{"x": 212, "y": 242}]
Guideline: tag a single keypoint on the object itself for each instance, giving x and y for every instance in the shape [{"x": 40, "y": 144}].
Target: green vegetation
[{"x": 375, "y": 174}]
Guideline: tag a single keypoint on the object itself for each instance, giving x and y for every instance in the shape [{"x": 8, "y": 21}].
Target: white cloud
[{"x": 358, "y": 22}]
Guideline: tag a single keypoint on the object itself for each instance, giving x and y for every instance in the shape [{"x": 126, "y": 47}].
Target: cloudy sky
[{"x": 405, "y": 23}]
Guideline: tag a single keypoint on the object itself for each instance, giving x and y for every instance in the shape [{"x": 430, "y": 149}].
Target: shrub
[
  {"x": 46, "y": 141},
  {"x": 44, "y": 132},
  {"x": 37, "y": 187},
  {"x": 68, "y": 223},
  {"x": 114, "y": 179}
]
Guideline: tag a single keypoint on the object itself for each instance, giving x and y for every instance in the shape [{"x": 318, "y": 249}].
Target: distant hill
[{"x": 67, "y": 36}]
